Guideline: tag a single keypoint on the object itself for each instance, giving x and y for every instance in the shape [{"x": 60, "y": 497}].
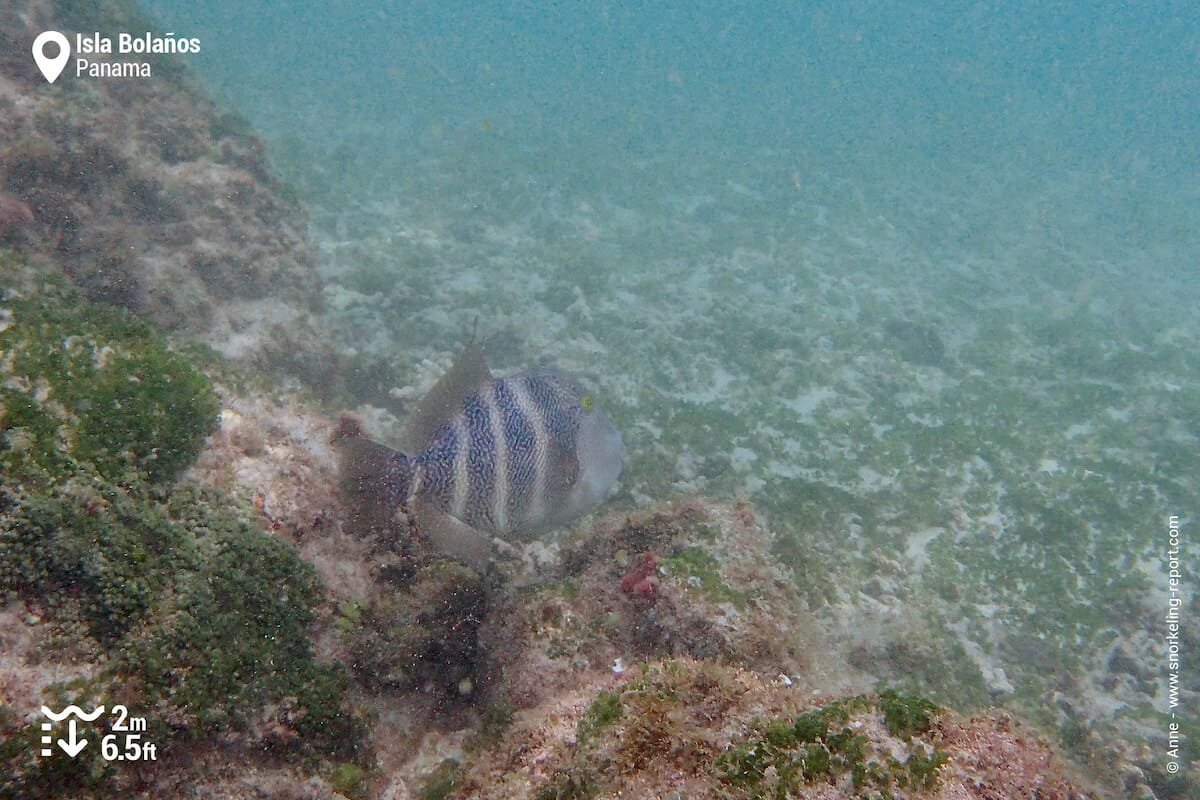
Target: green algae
[
  {"x": 350, "y": 780},
  {"x": 906, "y": 715},
  {"x": 440, "y": 783},
  {"x": 204, "y": 617},
  {"x": 114, "y": 552},
  {"x": 662, "y": 713},
  {"x": 784, "y": 756},
  {"x": 697, "y": 564},
  {"x": 604, "y": 711},
  {"x": 91, "y": 383},
  {"x": 233, "y": 635},
  {"x": 26, "y": 777},
  {"x": 798, "y": 752},
  {"x": 151, "y": 409},
  {"x": 197, "y": 617}
]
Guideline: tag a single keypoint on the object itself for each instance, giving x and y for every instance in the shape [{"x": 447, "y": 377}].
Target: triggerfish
[{"x": 504, "y": 456}]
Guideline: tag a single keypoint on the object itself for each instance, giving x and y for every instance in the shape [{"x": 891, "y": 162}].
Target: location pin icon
[{"x": 51, "y": 67}]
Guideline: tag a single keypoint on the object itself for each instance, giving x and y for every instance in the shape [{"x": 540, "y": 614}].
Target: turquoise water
[
  {"x": 1067, "y": 131},
  {"x": 920, "y": 282}
]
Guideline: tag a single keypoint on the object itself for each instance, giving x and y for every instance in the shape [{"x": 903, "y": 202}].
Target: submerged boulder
[
  {"x": 121, "y": 585},
  {"x": 697, "y": 729},
  {"x": 147, "y": 195}
]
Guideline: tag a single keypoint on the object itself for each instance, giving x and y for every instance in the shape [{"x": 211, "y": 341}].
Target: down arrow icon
[{"x": 72, "y": 747}]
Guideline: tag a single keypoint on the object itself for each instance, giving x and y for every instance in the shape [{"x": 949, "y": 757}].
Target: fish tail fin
[{"x": 374, "y": 479}]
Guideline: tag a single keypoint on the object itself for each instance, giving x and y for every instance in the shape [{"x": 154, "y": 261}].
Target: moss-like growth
[
  {"x": 801, "y": 751},
  {"x": 441, "y": 782},
  {"x": 205, "y": 616},
  {"x": 25, "y": 775},
  {"x": 696, "y": 563},
  {"x": 906, "y": 715},
  {"x": 233, "y": 634},
  {"x": 604, "y": 711},
  {"x": 828, "y": 744},
  {"x": 350, "y": 780},
  {"x": 665, "y": 707},
  {"x": 92, "y": 545},
  {"x": 677, "y": 717},
  {"x": 84, "y": 382},
  {"x": 150, "y": 409},
  {"x": 202, "y": 617}
]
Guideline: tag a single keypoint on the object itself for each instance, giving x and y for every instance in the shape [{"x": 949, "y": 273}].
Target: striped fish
[{"x": 494, "y": 456}]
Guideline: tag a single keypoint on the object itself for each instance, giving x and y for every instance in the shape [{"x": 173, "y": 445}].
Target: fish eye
[{"x": 587, "y": 402}]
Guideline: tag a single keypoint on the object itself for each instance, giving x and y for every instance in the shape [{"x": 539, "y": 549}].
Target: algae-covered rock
[
  {"x": 84, "y": 383},
  {"x": 696, "y": 729},
  {"x": 147, "y": 195},
  {"x": 694, "y": 578},
  {"x": 169, "y": 599},
  {"x": 424, "y": 633}
]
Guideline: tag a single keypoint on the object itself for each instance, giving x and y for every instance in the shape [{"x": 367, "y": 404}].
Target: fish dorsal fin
[{"x": 467, "y": 375}]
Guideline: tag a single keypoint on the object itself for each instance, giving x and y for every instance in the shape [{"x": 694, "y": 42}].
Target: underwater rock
[
  {"x": 422, "y": 636},
  {"x": 118, "y": 583},
  {"x": 697, "y": 729},
  {"x": 693, "y": 578},
  {"x": 149, "y": 196}
]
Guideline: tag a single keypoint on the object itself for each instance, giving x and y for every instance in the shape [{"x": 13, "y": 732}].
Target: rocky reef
[
  {"x": 662, "y": 653},
  {"x": 222, "y": 590},
  {"x": 149, "y": 196},
  {"x": 121, "y": 584},
  {"x": 696, "y": 729}
]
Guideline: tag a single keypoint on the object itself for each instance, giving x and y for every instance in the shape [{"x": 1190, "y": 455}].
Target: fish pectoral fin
[
  {"x": 466, "y": 376},
  {"x": 452, "y": 536},
  {"x": 563, "y": 469}
]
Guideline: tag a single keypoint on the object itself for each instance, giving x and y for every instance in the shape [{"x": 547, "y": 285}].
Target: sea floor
[{"x": 964, "y": 409}]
